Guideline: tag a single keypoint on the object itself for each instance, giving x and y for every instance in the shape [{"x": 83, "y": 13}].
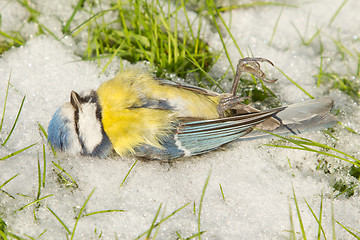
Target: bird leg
[
  {"x": 249, "y": 65},
  {"x": 252, "y": 66},
  {"x": 227, "y": 102}
]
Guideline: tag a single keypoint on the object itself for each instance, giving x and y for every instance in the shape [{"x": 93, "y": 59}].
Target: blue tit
[{"x": 138, "y": 114}]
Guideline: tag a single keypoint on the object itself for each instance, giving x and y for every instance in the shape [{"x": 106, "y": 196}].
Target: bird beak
[{"x": 75, "y": 100}]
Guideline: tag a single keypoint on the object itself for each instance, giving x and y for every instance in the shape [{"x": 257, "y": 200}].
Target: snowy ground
[{"x": 256, "y": 180}]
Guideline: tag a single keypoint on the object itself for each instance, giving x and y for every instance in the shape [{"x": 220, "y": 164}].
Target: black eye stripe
[
  {"x": 76, "y": 121},
  {"x": 91, "y": 98}
]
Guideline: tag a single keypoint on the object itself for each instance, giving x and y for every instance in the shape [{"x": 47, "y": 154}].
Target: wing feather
[
  {"x": 187, "y": 87},
  {"x": 205, "y": 135}
]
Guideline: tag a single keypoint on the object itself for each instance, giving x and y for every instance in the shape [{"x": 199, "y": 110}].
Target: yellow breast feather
[{"x": 129, "y": 126}]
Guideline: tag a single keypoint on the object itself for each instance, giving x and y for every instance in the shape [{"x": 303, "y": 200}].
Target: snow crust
[{"x": 256, "y": 179}]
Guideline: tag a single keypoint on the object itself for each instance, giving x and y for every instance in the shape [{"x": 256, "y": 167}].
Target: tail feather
[
  {"x": 306, "y": 110},
  {"x": 298, "y": 118}
]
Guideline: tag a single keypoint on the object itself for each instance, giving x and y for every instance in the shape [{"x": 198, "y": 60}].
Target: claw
[
  {"x": 227, "y": 102},
  {"x": 252, "y": 66}
]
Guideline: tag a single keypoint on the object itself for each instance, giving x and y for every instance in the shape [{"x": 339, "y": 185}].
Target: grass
[
  {"x": 152, "y": 32},
  {"x": 9, "y": 40},
  {"x": 16, "y": 38},
  {"x": 71, "y": 233},
  {"x": 126, "y": 176},
  {"x": 145, "y": 31},
  {"x": 200, "y": 206},
  {"x": 328, "y": 153},
  {"x": 156, "y": 224},
  {"x": 3, "y": 142},
  {"x": 321, "y": 233}
]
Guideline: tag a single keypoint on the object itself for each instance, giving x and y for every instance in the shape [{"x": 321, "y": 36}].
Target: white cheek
[
  {"x": 89, "y": 127},
  {"x": 74, "y": 146}
]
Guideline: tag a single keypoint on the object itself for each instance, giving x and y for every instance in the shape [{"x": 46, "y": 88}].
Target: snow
[{"x": 256, "y": 179}]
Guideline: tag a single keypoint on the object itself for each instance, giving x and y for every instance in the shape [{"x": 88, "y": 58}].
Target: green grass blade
[
  {"x": 153, "y": 222},
  {"x": 60, "y": 221},
  {"x": 320, "y": 152},
  {"x": 256, "y": 4},
  {"x": 342, "y": 48},
  {"x": 337, "y": 12},
  {"x": 16, "y": 120},
  {"x": 188, "y": 20},
  {"x": 358, "y": 65},
  {"x": 348, "y": 230},
  {"x": 212, "y": 9},
  {"x": 88, "y": 21},
  {"x": 320, "y": 217},
  {"x": 66, "y": 28},
  {"x": 321, "y": 71},
  {"x": 5, "y": 101},
  {"x": 80, "y": 214},
  {"x": 292, "y": 235},
  {"x": 320, "y": 145},
  {"x": 39, "y": 177},
  {"x": 127, "y": 174},
  {"x": 296, "y": 84},
  {"x": 196, "y": 235},
  {"x": 222, "y": 192},
  {"x": 7, "y": 181},
  {"x": 42, "y": 129},
  {"x": 299, "y": 215},
  {"x": 2, "y": 235},
  {"x": 158, "y": 226},
  {"x": 103, "y": 211},
  {"x": 67, "y": 174},
  {"x": 8, "y": 194},
  {"x": 347, "y": 190},
  {"x": 41, "y": 26},
  {"x": 301, "y": 144},
  {"x": 44, "y": 163},
  {"x": 164, "y": 219},
  {"x": 12, "y": 38},
  {"x": 112, "y": 57},
  {"x": 201, "y": 202},
  {"x": 298, "y": 32},
  {"x": 317, "y": 33},
  {"x": 230, "y": 34},
  {"x": 318, "y": 220},
  {"x": 193, "y": 60},
  {"x": 275, "y": 27},
  {"x": 42, "y": 233},
  {"x": 33, "y": 202},
  {"x": 16, "y": 152}
]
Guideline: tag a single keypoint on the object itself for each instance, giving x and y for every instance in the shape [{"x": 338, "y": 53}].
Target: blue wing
[{"x": 197, "y": 137}]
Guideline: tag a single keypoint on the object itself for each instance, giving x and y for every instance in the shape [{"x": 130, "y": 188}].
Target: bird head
[{"x": 76, "y": 127}]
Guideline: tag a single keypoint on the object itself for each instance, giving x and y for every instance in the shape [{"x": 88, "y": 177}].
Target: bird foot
[
  {"x": 227, "y": 102},
  {"x": 252, "y": 66}
]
